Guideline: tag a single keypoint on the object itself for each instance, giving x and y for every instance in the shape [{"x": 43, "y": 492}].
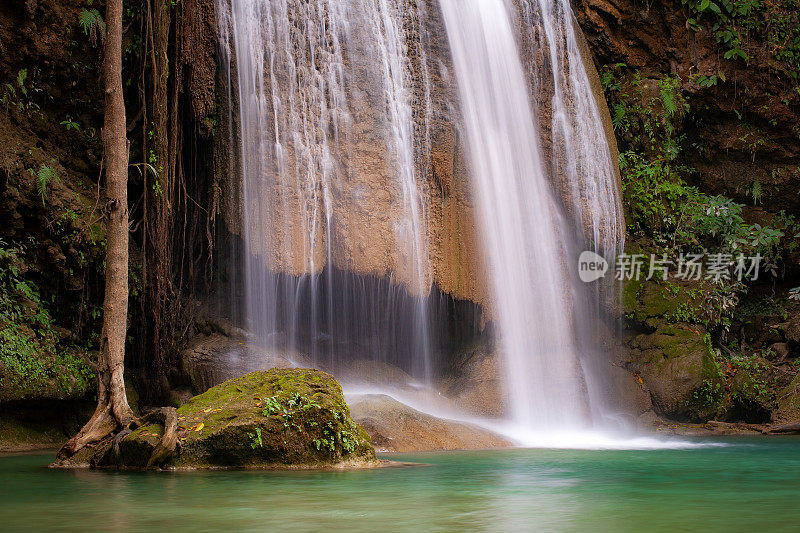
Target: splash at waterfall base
[{"x": 462, "y": 410}]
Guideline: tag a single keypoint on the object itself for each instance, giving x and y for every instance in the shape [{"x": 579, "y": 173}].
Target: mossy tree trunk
[{"x": 112, "y": 410}]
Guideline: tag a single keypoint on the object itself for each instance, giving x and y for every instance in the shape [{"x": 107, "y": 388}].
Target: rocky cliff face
[
  {"x": 50, "y": 241},
  {"x": 51, "y": 244},
  {"x": 360, "y": 189},
  {"x": 742, "y": 130},
  {"x": 743, "y": 124}
]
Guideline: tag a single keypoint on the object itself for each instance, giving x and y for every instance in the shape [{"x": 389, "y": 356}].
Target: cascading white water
[
  {"x": 581, "y": 152},
  {"x": 387, "y": 20},
  {"x": 586, "y": 165},
  {"x": 526, "y": 238},
  {"x": 522, "y": 230},
  {"x": 316, "y": 81},
  {"x": 290, "y": 96},
  {"x": 331, "y": 104}
]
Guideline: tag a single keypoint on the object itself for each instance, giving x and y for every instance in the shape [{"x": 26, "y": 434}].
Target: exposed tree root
[
  {"x": 103, "y": 423},
  {"x": 168, "y": 417},
  {"x": 108, "y": 452}
]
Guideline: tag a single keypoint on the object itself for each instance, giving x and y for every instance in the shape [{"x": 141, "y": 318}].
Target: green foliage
[
  {"x": 17, "y": 93},
  {"x": 709, "y": 394},
  {"x": 756, "y": 192},
  {"x": 256, "y": 437},
  {"x": 71, "y": 124},
  {"x": 653, "y": 191},
  {"x": 715, "y": 224},
  {"x": 739, "y": 24},
  {"x": 710, "y": 81},
  {"x": 22, "y": 75},
  {"x": 32, "y": 357},
  {"x": 292, "y": 409},
  {"x": 646, "y": 113},
  {"x": 330, "y": 436},
  {"x": 272, "y": 406},
  {"x": 45, "y": 178},
  {"x": 659, "y": 203},
  {"x": 708, "y": 304},
  {"x": 646, "y": 117},
  {"x": 752, "y": 380},
  {"x": 92, "y": 24}
]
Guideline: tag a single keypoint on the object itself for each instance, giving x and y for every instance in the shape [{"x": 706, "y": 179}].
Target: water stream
[{"x": 526, "y": 237}]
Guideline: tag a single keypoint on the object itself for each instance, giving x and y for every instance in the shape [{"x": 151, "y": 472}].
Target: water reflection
[{"x": 745, "y": 485}]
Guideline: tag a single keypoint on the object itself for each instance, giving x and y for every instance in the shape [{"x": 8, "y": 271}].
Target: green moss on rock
[
  {"x": 274, "y": 418},
  {"x": 677, "y": 366},
  {"x": 32, "y": 369},
  {"x": 650, "y": 303},
  {"x": 788, "y": 400},
  {"x": 752, "y": 396}
]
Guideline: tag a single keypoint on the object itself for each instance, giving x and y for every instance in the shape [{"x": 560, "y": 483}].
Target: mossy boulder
[
  {"x": 788, "y": 399},
  {"x": 648, "y": 303},
  {"x": 275, "y": 418},
  {"x": 752, "y": 395},
  {"x": 677, "y": 366}
]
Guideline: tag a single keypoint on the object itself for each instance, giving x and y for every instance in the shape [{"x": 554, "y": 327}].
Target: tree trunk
[{"x": 112, "y": 410}]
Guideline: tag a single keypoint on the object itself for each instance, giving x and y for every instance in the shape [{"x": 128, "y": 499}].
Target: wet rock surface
[{"x": 396, "y": 427}]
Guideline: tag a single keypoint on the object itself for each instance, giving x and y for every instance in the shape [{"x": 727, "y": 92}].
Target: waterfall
[
  {"x": 527, "y": 237},
  {"x": 582, "y": 158},
  {"x": 331, "y": 106},
  {"x": 324, "y": 136}
]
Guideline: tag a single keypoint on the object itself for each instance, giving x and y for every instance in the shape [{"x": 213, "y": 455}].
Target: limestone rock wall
[{"x": 365, "y": 201}]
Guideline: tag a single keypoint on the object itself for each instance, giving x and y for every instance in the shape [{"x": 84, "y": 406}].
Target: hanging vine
[{"x": 175, "y": 229}]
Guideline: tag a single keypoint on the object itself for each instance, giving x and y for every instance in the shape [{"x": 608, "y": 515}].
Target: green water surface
[{"x": 746, "y": 485}]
